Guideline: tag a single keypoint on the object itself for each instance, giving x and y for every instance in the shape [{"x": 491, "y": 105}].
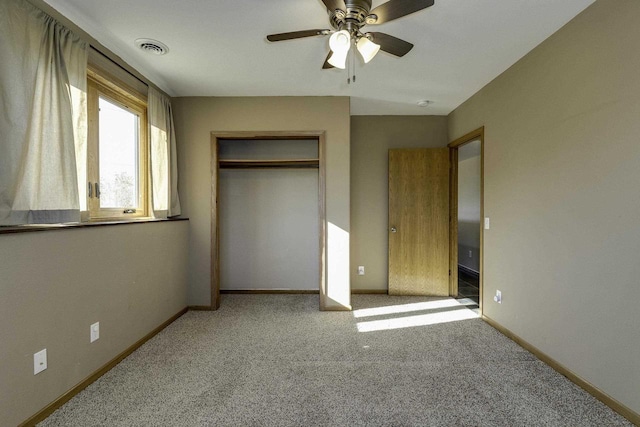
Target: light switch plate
[
  {"x": 361, "y": 270},
  {"x": 487, "y": 223},
  {"x": 39, "y": 361},
  {"x": 95, "y": 331}
]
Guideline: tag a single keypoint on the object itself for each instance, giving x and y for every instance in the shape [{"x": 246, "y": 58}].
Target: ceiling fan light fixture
[
  {"x": 339, "y": 60},
  {"x": 347, "y": 19},
  {"x": 367, "y": 49},
  {"x": 339, "y": 43}
]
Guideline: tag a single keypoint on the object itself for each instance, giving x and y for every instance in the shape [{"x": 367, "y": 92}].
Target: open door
[{"x": 419, "y": 221}]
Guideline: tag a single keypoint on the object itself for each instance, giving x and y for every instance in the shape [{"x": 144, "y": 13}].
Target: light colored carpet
[{"x": 275, "y": 360}]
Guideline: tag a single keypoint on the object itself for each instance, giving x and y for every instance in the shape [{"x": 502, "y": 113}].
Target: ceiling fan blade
[
  {"x": 296, "y": 35},
  {"x": 394, "y": 9},
  {"x": 334, "y": 4},
  {"x": 326, "y": 64},
  {"x": 390, "y": 44}
]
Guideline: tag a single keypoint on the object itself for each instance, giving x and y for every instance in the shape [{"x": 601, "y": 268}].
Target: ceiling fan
[{"x": 348, "y": 17}]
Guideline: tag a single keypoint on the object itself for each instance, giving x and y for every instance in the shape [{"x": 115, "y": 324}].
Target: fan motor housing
[{"x": 356, "y": 14}]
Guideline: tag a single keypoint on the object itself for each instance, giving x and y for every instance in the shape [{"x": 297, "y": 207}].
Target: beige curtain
[
  {"x": 163, "y": 157},
  {"x": 42, "y": 117}
]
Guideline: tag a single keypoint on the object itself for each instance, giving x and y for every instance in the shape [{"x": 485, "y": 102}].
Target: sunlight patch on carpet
[
  {"x": 407, "y": 308},
  {"x": 455, "y": 315}
]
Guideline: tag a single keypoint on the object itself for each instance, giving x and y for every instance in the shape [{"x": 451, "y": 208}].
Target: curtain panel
[
  {"x": 42, "y": 117},
  {"x": 163, "y": 157}
]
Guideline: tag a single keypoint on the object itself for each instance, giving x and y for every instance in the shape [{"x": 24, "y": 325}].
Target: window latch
[
  {"x": 97, "y": 190},
  {"x": 129, "y": 211},
  {"x": 90, "y": 190}
]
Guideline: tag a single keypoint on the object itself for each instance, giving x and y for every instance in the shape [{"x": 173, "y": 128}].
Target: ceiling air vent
[{"x": 152, "y": 46}]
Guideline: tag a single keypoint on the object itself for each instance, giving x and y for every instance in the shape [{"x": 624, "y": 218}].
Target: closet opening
[{"x": 268, "y": 221}]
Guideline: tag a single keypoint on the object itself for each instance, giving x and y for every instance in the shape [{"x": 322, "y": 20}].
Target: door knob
[{"x": 393, "y": 229}]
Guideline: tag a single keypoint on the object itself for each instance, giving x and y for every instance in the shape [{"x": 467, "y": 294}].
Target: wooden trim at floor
[
  {"x": 49, "y": 409},
  {"x": 200, "y": 308},
  {"x": 612, "y": 403},
  {"x": 369, "y": 291},
  {"x": 270, "y": 291},
  {"x": 338, "y": 308}
]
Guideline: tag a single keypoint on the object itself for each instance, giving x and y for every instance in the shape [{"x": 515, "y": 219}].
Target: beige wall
[
  {"x": 197, "y": 117},
  {"x": 562, "y": 173},
  {"x": 371, "y": 139},
  {"x": 54, "y": 284}
]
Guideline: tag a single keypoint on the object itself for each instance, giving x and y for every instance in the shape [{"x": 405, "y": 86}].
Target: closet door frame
[{"x": 215, "y": 229}]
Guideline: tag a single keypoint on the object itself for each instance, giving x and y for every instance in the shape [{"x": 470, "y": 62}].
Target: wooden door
[{"x": 419, "y": 221}]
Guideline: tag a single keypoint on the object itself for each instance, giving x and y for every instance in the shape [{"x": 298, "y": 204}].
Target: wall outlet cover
[
  {"x": 498, "y": 297},
  {"x": 39, "y": 361},
  {"x": 361, "y": 270},
  {"x": 95, "y": 331}
]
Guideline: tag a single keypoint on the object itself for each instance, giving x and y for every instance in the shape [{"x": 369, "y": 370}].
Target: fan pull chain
[
  {"x": 349, "y": 65},
  {"x": 353, "y": 62}
]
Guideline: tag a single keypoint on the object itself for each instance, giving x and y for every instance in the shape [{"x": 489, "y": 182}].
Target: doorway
[
  {"x": 466, "y": 257},
  {"x": 268, "y": 229}
]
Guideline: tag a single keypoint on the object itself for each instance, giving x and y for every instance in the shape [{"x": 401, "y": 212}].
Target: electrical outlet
[
  {"x": 95, "y": 331},
  {"x": 361, "y": 270},
  {"x": 39, "y": 361},
  {"x": 487, "y": 223},
  {"x": 470, "y": 254},
  {"x": 498, "y": 297}
]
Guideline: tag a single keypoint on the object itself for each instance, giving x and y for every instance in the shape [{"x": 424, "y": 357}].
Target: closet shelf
[{"x": 271, "y": 163}]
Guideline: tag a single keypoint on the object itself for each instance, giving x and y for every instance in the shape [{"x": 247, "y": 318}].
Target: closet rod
[{"x": 264, "y": 164}]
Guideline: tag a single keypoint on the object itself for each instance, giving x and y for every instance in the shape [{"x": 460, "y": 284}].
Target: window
[{"x": 117, "y": 151}]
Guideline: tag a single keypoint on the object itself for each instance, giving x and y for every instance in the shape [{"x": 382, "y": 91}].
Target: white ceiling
[{"x": 218, "y": 48}]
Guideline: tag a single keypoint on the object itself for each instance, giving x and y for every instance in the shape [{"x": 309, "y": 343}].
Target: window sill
[{"x": 27, "y": 228}]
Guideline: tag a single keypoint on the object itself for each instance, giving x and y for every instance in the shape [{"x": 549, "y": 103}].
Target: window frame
[{"x": 99, "y": 84}]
